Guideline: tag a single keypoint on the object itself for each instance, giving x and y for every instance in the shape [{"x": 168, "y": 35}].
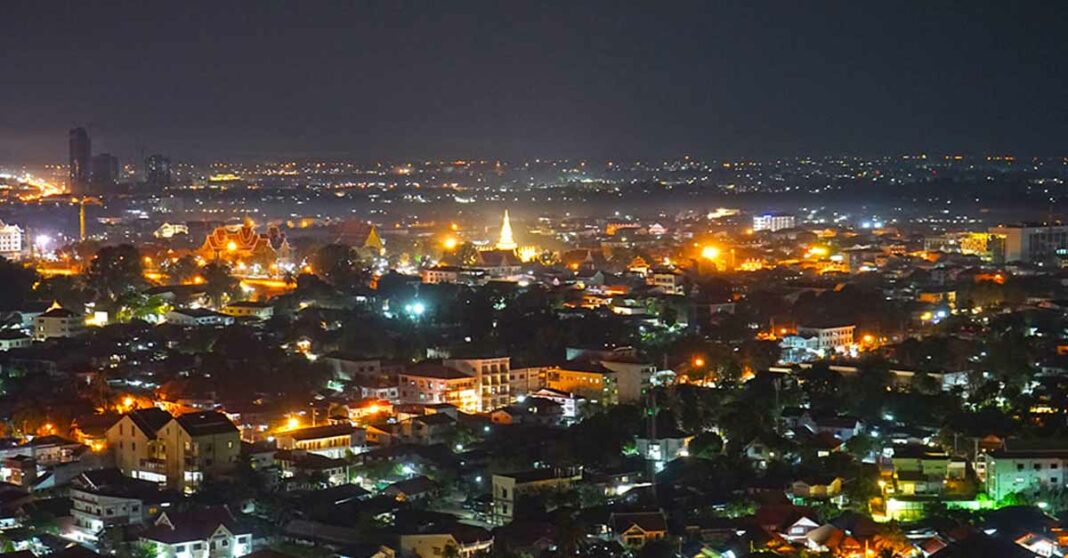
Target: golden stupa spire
[{"x": 506, "y": 242}]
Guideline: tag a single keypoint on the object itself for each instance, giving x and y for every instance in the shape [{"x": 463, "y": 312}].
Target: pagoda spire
[{"x": 506, "y": 242}]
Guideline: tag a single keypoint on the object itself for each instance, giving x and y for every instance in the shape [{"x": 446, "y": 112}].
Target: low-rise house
[
  {"x": 923, "y": 471},
  {"x": 46, "y": 451},
  {"x": 666, "y": 446},
  {"x": 569, "y": 402},
  {"x": 14, "y": 339},
  {"x": 453, "y": 274},
  {"x": 817, "y": 487},
  {"x": 509, "y": 488},
  {"x": 829, "y": 538},
  {"x": 533, "y": 410},
  {"x": 249, "y": 309},
  {"x": 349, "y": 367},
  {"x": 332, "y": 440},
  {"x": 198, "y": 317},
  {"x": 636, "y": 529},
  {"x": 415, "y": 488},
  {"x": 465, "y": 541},
  {"x": 791, "y": 522},
  {"x": 211, "y": 532},
  {"x": 309, "y": 470},
  {"x": 425, "y": 429},
  {"x": 842, "y": 427}
]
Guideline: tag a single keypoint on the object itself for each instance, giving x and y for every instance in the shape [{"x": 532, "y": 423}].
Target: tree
[
  {"x": 137, "y": 550},
  {"x": 136, "y": 306},
  {"x": 219, "y": 284},
  {"x": 706, "y": 445},
  {"x": 183, "y": 270},
  {"x": 892, "y": 542},
  {"x": 68, "y": 291},
  {"x": 17, "y": 281},
  {"x": 467, "y": 254},
  {"x": 116, "y": 270},
  {"x": 338, "y": 265},
  {"x": 820, "y": 385}
]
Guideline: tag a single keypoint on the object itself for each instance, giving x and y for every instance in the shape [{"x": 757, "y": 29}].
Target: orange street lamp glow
[
  {"x": 231, "y": 246},
  {"x": 450, "y": 243},
  {"x": 709, "y": 252},
  {"x": 698, "y": 362}
]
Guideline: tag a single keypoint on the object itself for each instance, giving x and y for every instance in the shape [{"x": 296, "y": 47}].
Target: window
[
  {"x": 1019, "y": 466},
  {"x": 1038, "y": 466}
]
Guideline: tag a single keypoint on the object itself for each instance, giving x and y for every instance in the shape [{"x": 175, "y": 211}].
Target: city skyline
[{"x": 533, "y": 279}]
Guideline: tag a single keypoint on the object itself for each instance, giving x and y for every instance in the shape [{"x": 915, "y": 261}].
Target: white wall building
[
  {"x": 10, "y": 241},
  {"x": 773, "y": 222}
]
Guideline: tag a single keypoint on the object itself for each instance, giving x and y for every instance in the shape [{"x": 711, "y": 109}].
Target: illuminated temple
[
  {"x": 238, "y": 244},
  {"x": 503, "y": 259},
  {"x": 362, "y": 236}
]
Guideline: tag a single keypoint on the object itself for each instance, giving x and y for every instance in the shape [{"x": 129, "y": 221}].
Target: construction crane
[{"x": 81, "y": 212}]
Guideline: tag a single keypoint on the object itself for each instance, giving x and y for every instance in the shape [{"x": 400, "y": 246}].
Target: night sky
[{"x": 510, "y": 79}]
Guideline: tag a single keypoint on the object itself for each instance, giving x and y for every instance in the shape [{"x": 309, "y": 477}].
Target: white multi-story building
[
  {"x": 491, "y": 377},
  {"x": 58, "y": 322},
  {"x": 669, "y": 281},
  {"x": 829, "y": 339},
  {"x": 106, "y": 498},
  {"x": 1010, "y": 470},
  {"x": 10, "y": 241},
  {"x": 773, "y": 222}
]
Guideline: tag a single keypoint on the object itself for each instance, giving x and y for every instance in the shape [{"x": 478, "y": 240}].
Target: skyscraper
[
  {"x": 105, "y": 170},
  {"x": 157, "y": 171},
  {"x": 80, "y": 153}
]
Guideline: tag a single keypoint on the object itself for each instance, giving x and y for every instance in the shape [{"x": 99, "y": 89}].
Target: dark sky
[{"x": 514, "y": 79}]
